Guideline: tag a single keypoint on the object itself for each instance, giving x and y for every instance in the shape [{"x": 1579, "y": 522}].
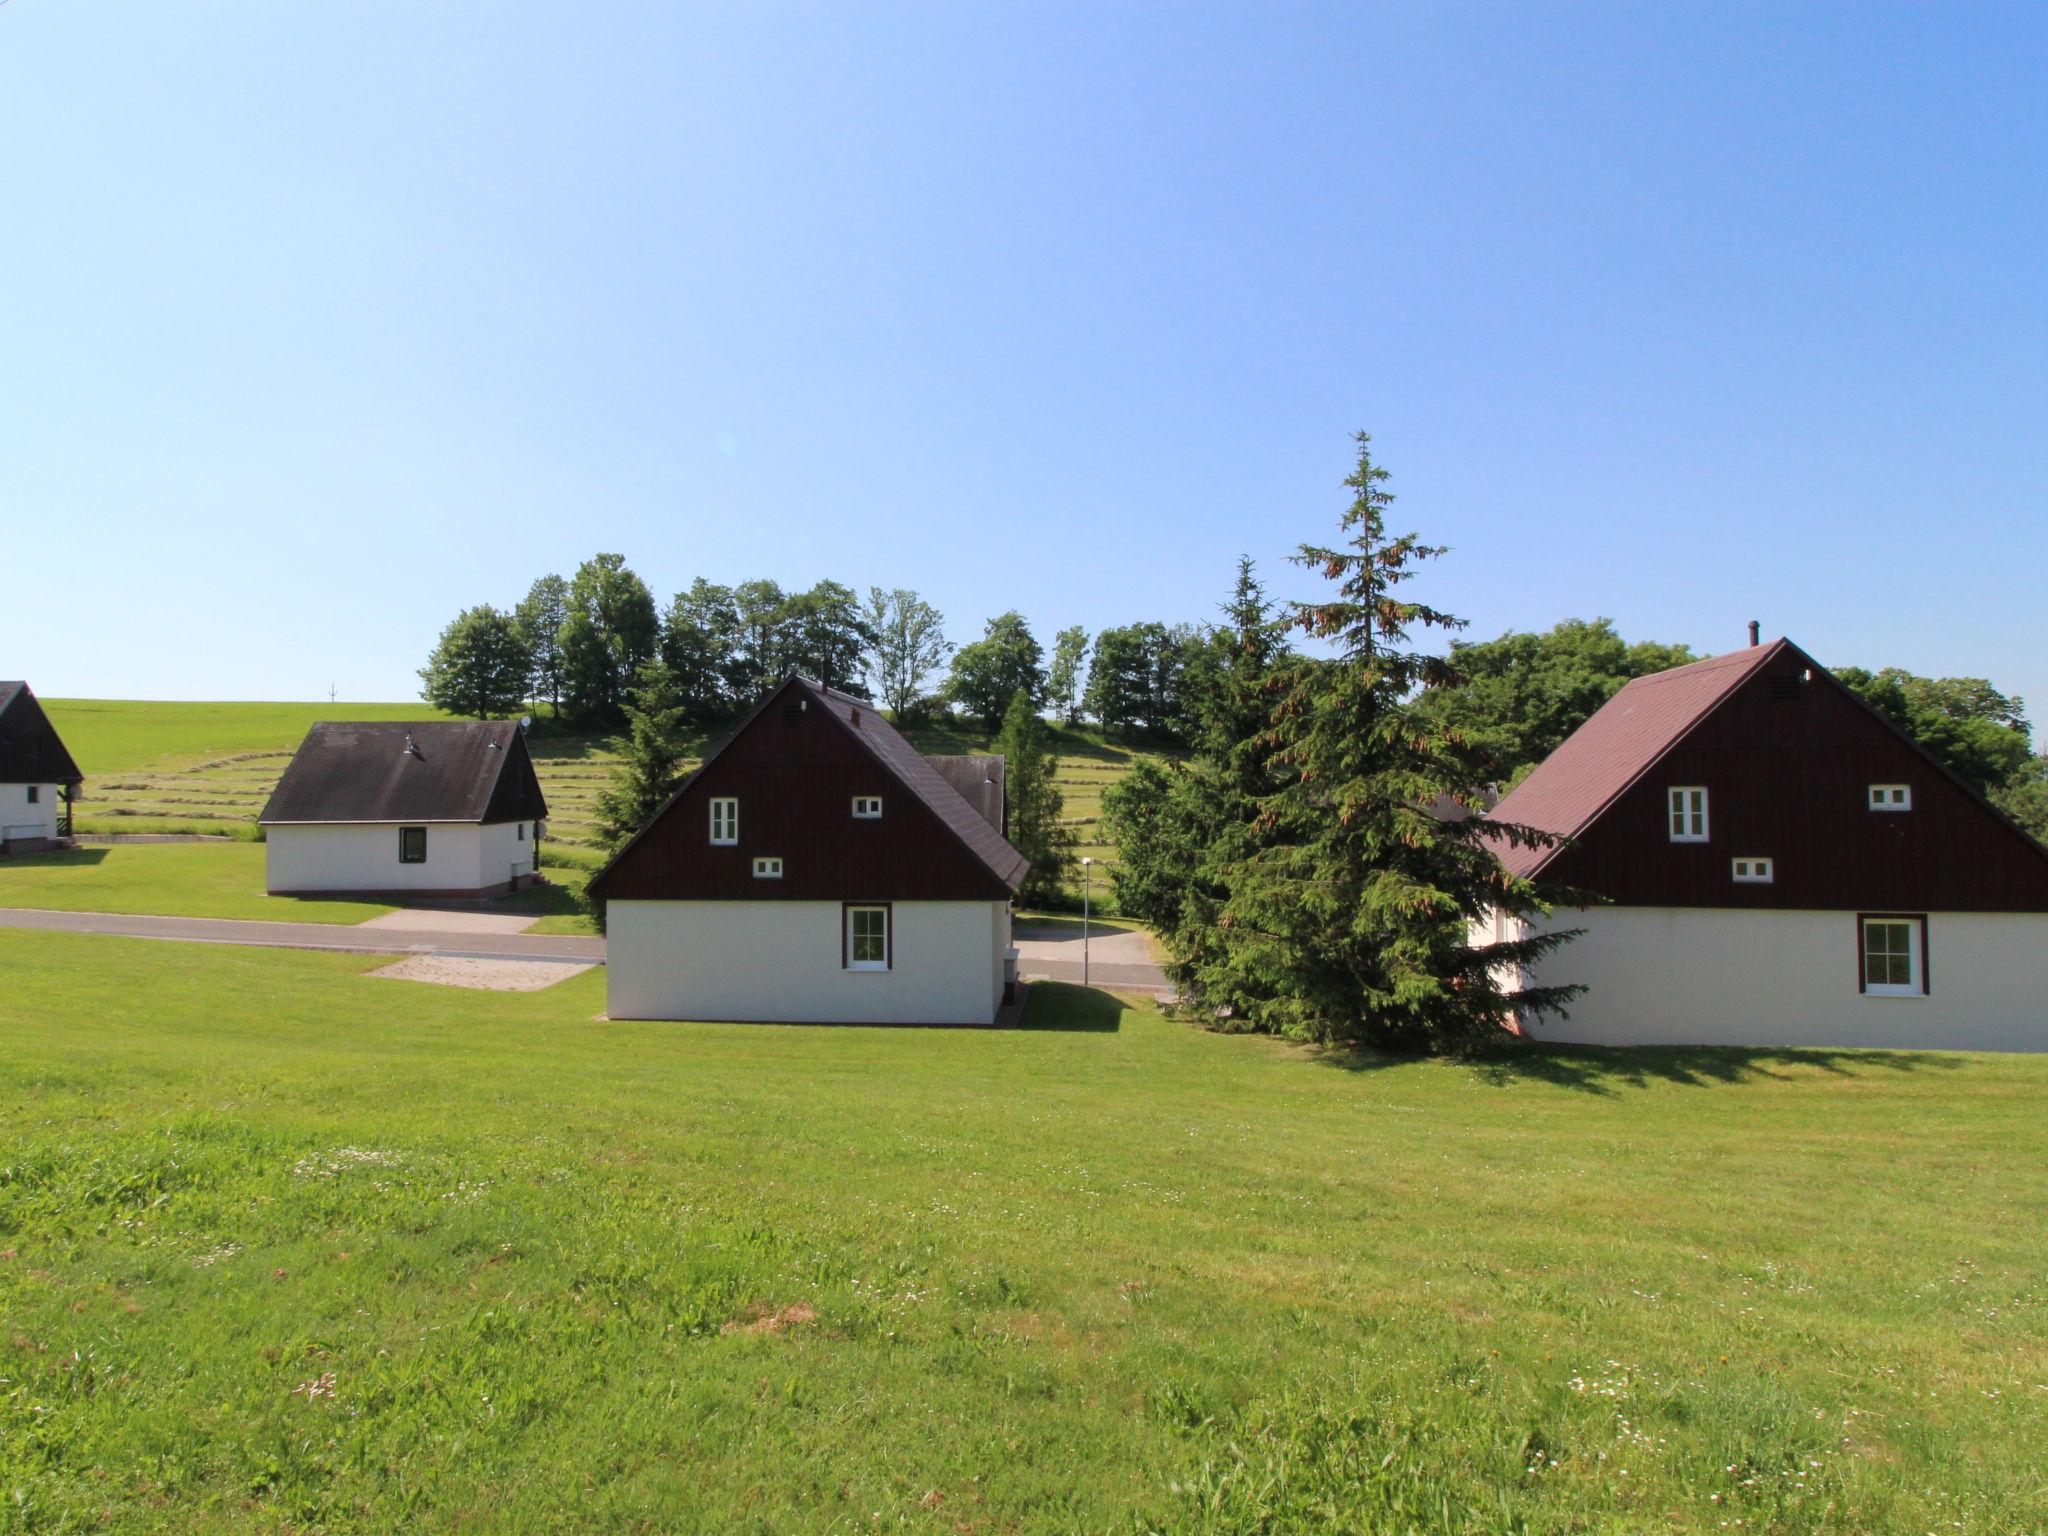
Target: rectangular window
[
  {"x": 867, "y": 807},
  {"x": 35, "y": 794},
  {"x": 1891, "y": 797},
  {"x": 725, "y": 821},
  {"x": 1688, "y": 814},
  {"x": 767, "y": 869},
  {"x": 866, "y": 939},
  {"x": 1894, "y": 952},
  {"x": 1753, "y": 872},
  {"x": 522, "y": 831},
  {"x": 412, "y": 845}
]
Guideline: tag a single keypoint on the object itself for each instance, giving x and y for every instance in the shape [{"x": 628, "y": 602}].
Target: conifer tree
[
  {"x": 1034, "y": 803},
  {"x": 651, "y": 757},
  {"x": 1350, "y": 921}
]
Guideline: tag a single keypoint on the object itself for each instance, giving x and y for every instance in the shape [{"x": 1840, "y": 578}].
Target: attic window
[
  {"x": 725, "y": 821},
  {"x": 867, "y": 807},
  {"x": 1754, "y": 871},
  {"x": 1891, "y": 797},
  {"x": 793, "y": 714},
  {"x": 1688, "y": 806},
  {"x": 767, "y": 869},
  {"x": 1786, "y": 687}
]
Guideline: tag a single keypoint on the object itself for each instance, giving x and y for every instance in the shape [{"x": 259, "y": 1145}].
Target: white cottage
[
  {"x": 426, "y": 808},
  {"x": 37, "y": 776},
  {"x": 816, "y": 869}
]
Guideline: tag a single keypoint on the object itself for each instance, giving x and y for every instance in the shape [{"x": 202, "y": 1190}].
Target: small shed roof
[
  {"x": 31, "y": 752},
  {"x": 978, "y": 781},
  {"x": 425, "y": 770}
]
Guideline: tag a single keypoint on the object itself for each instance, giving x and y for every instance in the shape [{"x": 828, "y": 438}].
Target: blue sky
[{"x": 322, "y": 322}]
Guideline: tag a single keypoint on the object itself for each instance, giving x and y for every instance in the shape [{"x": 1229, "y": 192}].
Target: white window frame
[
  {"x": 1686, "y": 820},
  {"x": 867, "y": 807},
  {"x": 1916, "y": 946},
  {"x": 768, "y": 868},
  {"x": 725, "y": 811},
  {"x": 888, "y": 937},
  {"x": 1889, "y": 797},
  {"x": 1754, "y": 871}
]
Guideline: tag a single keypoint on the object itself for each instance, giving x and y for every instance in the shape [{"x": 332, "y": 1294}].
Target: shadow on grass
[
  {"x": 1608, "y": 1070},
  {"x": 1059, "y": 1005},
  {"x": 65, "y": 859}
]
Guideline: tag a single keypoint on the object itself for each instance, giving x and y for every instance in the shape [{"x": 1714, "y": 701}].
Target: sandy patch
[
  {"x": 762, "y": 1318},
  {"x": 486, "y": 975},
  {"x": 435, "y": 920}
]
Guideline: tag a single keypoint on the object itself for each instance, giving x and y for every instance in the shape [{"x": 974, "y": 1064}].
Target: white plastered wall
[
  {"x": 781, "y": 962},
  {"x": 1709, "y": 976},
  {"x": 461, "y": 856},
  {"x": 21, "y": 819}
]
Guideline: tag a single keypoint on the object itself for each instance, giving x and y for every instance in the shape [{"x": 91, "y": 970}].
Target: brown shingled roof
[
  {"x": 361, "y": 771},
  {"x": 978, "y": 781},
  {"x": 1622, "y": 741}
]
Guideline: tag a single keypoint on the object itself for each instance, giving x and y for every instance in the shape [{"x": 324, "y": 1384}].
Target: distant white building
[
  {"x": 37, "y": 775},
  {"x": 427, "y": 808}
]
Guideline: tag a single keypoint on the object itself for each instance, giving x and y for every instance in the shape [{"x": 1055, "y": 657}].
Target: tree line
[{"x": 578, "y": 644}]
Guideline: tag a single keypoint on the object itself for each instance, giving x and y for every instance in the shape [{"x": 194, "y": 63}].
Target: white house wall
[
  {"x": 781, "y": 962},
  {"x": 20, "y": 819},
  {"x": 461, "y": 856},
  {"x": 1711, "y": 976}
]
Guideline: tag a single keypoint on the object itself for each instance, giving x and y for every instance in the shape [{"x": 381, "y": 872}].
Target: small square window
[
  {"x": 1891, "y": 797},
  {"x": 767, "y": 869},
  {"x": 1688, "y": 803},
  {"x": 412, "y": 845},
  {"x": 867, "y": 938},
  {"x": 1894, "y": 962},
  {"x": 867, "y": 807},
  {"x": 725, "y": 821},
  {"x": 35, "y": 794},
  {"x": 1753, "y": 871}
]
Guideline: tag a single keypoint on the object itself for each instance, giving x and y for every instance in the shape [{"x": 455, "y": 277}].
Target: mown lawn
[
  {"x": 287, "y": 1248},
  {"x": 164, "y": 880}
]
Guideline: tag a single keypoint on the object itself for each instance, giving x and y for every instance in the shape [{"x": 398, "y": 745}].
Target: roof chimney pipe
[{"x": 1755, "y": 631}]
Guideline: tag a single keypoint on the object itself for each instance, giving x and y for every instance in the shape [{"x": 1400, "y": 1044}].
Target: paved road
[
  {"x": 1051, "y": 948},
  {"x": 1048, "y": 949},
  {"x": 361, "y": 940}
]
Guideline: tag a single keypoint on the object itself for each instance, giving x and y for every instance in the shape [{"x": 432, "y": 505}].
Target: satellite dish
[{"x": 526, "y": 722}]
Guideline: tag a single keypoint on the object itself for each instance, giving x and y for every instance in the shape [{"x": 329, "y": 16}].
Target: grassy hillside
[
  {"x": 208, "y": 767},
  {"x": 287, "y": 1247}
]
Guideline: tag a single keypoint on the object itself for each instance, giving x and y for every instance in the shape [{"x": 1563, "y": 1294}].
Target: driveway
[
  {"x": 374, "y": 938},
  {"x": 1049, "y": 948}
]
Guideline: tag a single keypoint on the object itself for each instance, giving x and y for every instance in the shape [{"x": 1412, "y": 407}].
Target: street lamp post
[{"x": 1087, "y": 900}]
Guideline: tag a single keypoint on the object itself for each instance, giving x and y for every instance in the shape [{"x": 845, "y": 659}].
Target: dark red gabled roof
[{"x": 1622, "y": 741}]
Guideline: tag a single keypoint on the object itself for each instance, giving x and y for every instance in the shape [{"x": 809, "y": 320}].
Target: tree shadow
[
  {"x": 1062, "y": 1006},
  {"x": 1608, "y": 1070},
  {"x": 62, "y": 858}
]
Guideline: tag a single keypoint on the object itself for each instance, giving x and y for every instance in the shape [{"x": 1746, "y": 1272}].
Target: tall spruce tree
[
  {"x": 1352, "y": 919},
  {"x": 1034, "y": 803},
  {"x": 651, "y": 757}
]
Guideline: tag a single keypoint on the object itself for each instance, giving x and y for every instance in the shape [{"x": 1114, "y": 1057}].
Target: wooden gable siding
[
  {"x": 1787, "y": 779},
  {"x": 795, "y": 784}
]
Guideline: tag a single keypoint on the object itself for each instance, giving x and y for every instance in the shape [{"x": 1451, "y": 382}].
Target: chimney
[
  {"x": 1755, "y": 629},
  {"x": 410, "y": 749}
]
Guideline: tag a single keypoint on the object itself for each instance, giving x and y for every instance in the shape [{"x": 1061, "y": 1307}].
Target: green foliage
[
  {"x": 1980, "y": 734},
  {"x": 481, "y": 666},
  {"x": 1349, "y": 921},
  {"x": 758, "y": 660},
  {"x": 540, "y": 617},
  {"x": 823, "y": 635},
  {"x": 988, "y": 672},
  {"x": 1517, "y": 698},
  {"x": 1136, "y": 675},
  {"x": 1063, "y": 679},
  {"x": 699, "y": 636},
  {"x": 2024, "y": 797},
  {"x": 909, "y": 646},
  {"x": 1034, "y": 803},
  {"x": 652, "y": 758},
  {"x": 611, "y": 630}
]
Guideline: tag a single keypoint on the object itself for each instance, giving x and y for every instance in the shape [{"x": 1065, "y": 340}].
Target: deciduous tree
[
  {"x": 988, "y": 673},
  {"x": 1063, "y": 679},
  {"x": 540, "y": 616},
  {"x": 480, "y": 667}
]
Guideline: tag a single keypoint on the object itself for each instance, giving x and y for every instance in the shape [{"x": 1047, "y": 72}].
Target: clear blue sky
[{"x": 322, "y": 322}]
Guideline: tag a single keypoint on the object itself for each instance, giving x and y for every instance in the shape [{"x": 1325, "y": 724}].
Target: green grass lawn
[
  {"x": 165, "y": 880},
  {"x": 284, "y": 1247}
]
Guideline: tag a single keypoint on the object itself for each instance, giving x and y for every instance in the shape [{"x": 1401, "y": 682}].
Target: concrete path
[
  {"x": 1050, "y": 948},
  {"x": 447, "y": 920},
  {"x": 363, "y": 939}
]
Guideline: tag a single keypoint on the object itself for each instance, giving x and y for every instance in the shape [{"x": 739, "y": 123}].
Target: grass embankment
[
  {"x": 284, "y": 1247},
  {"x": 167, "y": 880},
  {"x": 207, "y": 768}
]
